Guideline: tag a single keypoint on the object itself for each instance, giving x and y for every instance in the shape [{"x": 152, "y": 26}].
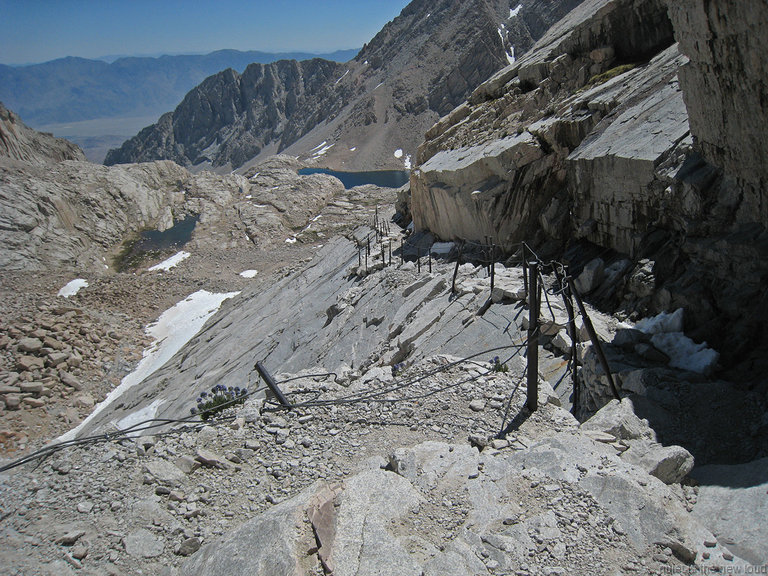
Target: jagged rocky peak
[
  {"x": 20, "y": 142},
  {"x": 230, "y": 118},
  {"x": 351, "y": 116}
]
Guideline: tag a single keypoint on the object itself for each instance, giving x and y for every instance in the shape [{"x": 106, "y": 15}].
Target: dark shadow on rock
[
  {"x": 747, "y": 475},
  {"x": 515, "y": 423}
]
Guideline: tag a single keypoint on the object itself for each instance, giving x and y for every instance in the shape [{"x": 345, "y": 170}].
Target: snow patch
[
  {"x": 442, "y": 248},
  {"x": 136, "y": 418},
  {"x": 322, "y": 150},
  {"x": 407, "y": 162},
  {"x": 249, "y": 273},
  {"x": 353, "y": 149},
  {"x": 171, "y": 262},
  {"x": 172, "y": 330},
  {"x": 515, "y": 11},
  {"x": 511, "y": 55},
  {"x": 323, "y": 143},
  {"x": 291, "y": 240},
  {"x": 685, "y": 354},
  {"x": 73, "y": 287},
  {"x": 667, "y": 335},
  {"x": 342, "y": 77},
  {"x": 399, "y": 153},
  {"x": 664, "y": 322},
  {"x": 503, "y": 35}
]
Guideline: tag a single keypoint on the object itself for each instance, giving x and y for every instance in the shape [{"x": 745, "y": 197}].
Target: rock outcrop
[
  {"x": 74, "y": 214},
  {"x": 230, "y": 118},
  {"x": 58, "y": 211},
  {"x": 380, "y": 521},
  {"x": 19, "y": 142},
  {"x": 353, "y": 116},
  {"x": 725, "y": 90},
  {"x": 540, "y": 136},
  {"x": 587, "y": 138}
]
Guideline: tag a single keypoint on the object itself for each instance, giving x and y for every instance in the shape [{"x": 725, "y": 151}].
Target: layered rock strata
[
  {"x": 725, "y": 88},
  {"x": 19, "y": 142},
  {"x": 541, "y": 135}
]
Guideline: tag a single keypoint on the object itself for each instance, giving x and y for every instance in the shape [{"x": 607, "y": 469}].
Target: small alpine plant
[{"x": 219, "y": 398}]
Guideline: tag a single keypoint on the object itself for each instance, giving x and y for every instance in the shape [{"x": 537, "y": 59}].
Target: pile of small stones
[{"x": 141, "y": 505}]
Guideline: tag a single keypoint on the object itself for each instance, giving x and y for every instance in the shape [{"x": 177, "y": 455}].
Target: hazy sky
[{"x": 40, "y": 30}]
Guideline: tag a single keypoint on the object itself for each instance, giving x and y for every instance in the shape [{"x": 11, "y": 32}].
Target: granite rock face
[
  {"x": 602, "y": 102},
  {"x": 452, "y": 511},
  {"x": 19, "y": 142},
  {"x": 351, "y": 116},
  {"x": 229, "y": 118},
  {"x": 725, "y": 86},
  {"x": 540, "y": 137},
  {"x": 58, "y": 211}
]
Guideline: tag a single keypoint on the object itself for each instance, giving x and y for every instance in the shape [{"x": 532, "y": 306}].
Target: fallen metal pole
[{"x": 272, "y": 385}]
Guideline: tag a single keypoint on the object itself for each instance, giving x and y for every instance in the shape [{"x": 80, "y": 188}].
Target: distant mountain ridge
[
  {"x": 74, "y": 89},
  {"x": 370, "y": 113}
]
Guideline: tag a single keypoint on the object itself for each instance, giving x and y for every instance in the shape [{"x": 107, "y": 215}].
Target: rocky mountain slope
[
  {"x": 20, "y": 143},
  {"x": 408, "y": 448},
  {"x": 75, "y": 89},
  {"x": 588, "y": 137},
  {"x": 59, "y": 212},
  {"x": 376, "y": 467},
  {"x": 355, "y": 116}
]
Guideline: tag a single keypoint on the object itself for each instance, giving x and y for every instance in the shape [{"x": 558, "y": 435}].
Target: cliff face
[
  {"x": 230, "y": 117},
  {"x": 19, "y": 142},
  {"x": 549, "y": 136},
  {"x": 725, "y": 85},
  {"x": 588, "y": 138},
  {"x": 353, "y": 116}
]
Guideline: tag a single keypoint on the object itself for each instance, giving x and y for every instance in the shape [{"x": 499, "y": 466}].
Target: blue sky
[{"x": 41, "y": 30}]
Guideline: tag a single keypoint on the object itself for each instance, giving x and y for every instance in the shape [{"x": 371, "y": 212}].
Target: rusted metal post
[
  {"x": 368, "y": 245},
  {"x": 568, "y": 301},
  {"x": 533, "y": 338},
  {"x": 418, "y": 260},
  {"x": 493, "y": 265},
  {"x": 383, "y": 259},
  {"x": 525, "y": 269},
  {"x": 594, "y": 338},
  {"x": 272, "y": 385},
  {"x": 390, "y": 252},
  {"x": 456, "y": 270},
  {"x": 429, "y": 255}
]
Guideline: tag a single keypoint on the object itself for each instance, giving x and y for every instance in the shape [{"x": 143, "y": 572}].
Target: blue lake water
[
  {"x": 383, "y": 178},
  {"x": 176, "y": 236}
]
